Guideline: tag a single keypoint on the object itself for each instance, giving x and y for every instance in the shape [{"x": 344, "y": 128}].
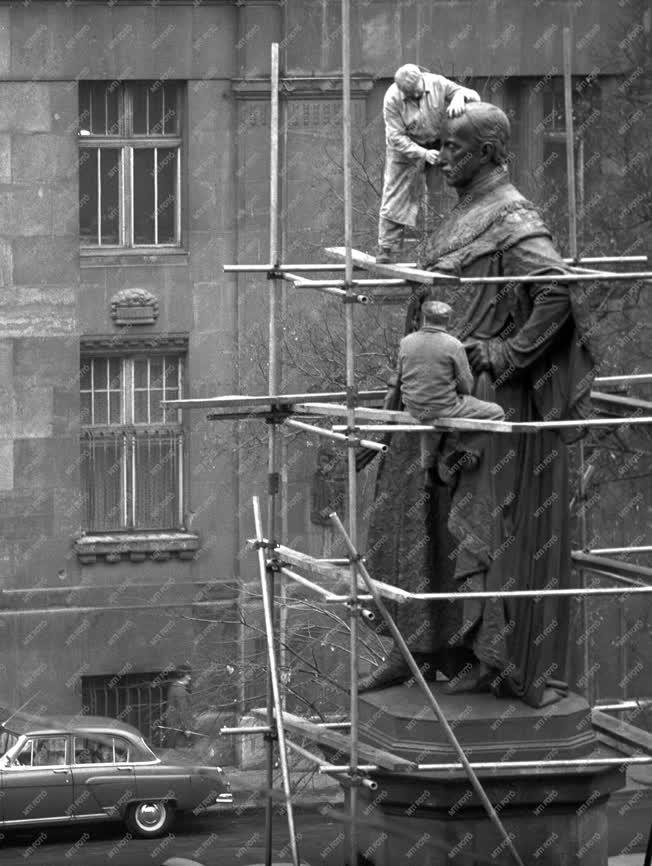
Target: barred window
[
  {"x": 129, "y": 164},
  {"x": 131, "y": 446}
]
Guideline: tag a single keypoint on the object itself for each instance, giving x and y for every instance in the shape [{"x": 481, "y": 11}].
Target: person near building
[
  {"x": 414, "y": 109},
  {"x": 178, "y": 717}
]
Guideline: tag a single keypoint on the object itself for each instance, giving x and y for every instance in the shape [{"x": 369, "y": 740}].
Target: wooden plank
[
  {"x": 625, "y": 734},
  {"x": 405, "y": 271},
  {"x": 266, "y": 399},
  {"x": 365, "y": 413},
  {"x": 341, "y": 742},
  {"x": 338, "y": 576}
]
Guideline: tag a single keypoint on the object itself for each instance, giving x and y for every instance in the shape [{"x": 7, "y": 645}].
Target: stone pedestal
[{"x": 555, "y": 816}]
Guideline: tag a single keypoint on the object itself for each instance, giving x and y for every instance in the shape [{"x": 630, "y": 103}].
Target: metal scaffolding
[{"x": 392, "y": 284}]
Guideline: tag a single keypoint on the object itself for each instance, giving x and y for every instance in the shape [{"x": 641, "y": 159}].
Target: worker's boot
[{"x": 385, "y": 256}]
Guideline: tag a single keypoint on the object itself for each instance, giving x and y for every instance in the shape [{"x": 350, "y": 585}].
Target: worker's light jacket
[{"x": 409, "y": 125}]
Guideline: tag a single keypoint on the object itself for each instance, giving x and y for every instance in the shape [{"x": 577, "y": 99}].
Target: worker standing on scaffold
[{"x": 413, "y": 111}]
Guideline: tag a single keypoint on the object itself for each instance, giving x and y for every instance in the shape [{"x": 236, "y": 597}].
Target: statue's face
[{"x": 461, "y": 155}]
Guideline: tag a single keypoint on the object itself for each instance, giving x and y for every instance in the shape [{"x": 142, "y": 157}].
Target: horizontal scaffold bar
[
  {"x": 396, "y": 422},
  {"x": 645, "y": 548},
  {"x": 265, "y": 399},
  {"x": 340, "y": 576},
  {"x": 333, "y": 266},
  {"x": 330, "y": 287},
  {"x": 417, "y": 275},
  {"x": 622, "y": 706},
  {"x": 341, "y": 742},
  {"x": 591, "y": 560},
  {"x": 618, "y": 402},
  {"x": 541, "y": 764},
  {"x": 630, "y": 379},
  {"x": 339, "y": 437}
]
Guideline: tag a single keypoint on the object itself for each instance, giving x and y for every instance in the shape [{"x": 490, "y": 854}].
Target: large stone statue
[{"x": 505, "y": 522}]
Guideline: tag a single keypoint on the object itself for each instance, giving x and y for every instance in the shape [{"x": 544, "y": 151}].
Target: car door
[
  {"x": 37, "y": 784},
  {"x": 103, "y": 776}
]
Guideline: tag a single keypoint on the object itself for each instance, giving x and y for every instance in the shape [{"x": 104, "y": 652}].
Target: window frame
[
  {"x": 127, "y": 142},
  {"x": 126, "y": 431}
]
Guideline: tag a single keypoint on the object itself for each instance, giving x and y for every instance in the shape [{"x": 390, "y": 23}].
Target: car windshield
[{"x": 7, "y": 740}]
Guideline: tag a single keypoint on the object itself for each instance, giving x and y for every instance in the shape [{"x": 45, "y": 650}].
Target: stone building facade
[{"x": 134, "y": 163}]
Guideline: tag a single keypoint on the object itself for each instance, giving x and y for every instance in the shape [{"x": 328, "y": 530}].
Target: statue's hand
[{"x": 477, "y": 352}]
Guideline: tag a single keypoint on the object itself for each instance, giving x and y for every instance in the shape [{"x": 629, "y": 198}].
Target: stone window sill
[
  {"x": 122, "y": 258},
  {"x": 136, "y": 546}
]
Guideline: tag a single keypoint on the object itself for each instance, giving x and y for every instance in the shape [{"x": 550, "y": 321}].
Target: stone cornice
[
  {"x": 302, "y": 87},
  {"x": 126, "y": 341},
  {"x": 136, "y": 546}
]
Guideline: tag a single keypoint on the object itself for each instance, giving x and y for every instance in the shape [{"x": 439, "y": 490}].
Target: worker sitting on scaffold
[{"x": 436, "y": 381}]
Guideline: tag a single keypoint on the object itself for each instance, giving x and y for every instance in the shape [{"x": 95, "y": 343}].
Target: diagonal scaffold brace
[
  {"x": 274, "y": 677},
  {"x": 356, "y": 561}
]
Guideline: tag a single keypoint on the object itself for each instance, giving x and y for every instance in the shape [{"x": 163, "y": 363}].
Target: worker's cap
[
  {"x": 183, "y": 670},
  {"x": 407, "y": 76},
  {"x": 436, "y": 310}
]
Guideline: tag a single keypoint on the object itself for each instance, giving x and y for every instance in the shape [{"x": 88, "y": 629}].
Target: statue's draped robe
[{"x": 506, "y": 524}]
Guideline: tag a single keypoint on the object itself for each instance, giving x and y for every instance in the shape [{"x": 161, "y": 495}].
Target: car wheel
[{"x": 150, "y": 818}]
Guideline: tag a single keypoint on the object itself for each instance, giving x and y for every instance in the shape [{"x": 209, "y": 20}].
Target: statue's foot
[
  {"x": 393, "y": 671},
  {"x": 477, "y": 678}
]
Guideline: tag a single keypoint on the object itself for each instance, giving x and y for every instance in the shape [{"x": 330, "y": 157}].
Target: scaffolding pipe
[
  {"x": 312, "y": 267},
  {"x": 350, "y": 403},
  {"x": 277, "y": 710},
  {"x": 358, "y": 564},
  {"x": 570, "y": 146},
  {"x": 544, "y": 763},
  {"x": 631, "y": 704},
  {"x": 339, "y": 437},
  {"x": 267, "y": 575},
  {"x": 325, "y": 287},
  {"x": 490, "y": 426}
]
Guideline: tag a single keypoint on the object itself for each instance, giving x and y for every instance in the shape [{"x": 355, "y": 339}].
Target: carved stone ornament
[{"x": 134, "y": 307}]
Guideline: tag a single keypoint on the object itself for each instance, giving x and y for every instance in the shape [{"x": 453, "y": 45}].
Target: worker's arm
[
  {"x": 457, "y": 96},
  {"x": 463, "y": 374},
  {"x": 396, "y": 135}
]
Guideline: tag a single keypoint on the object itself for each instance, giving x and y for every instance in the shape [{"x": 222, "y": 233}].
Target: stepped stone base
[{"x": 554, "y": 816}]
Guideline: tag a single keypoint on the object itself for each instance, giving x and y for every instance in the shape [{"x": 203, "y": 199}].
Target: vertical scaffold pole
[
  {"x": 350, "y": 403},
  {"x": 572, "y": 251},
  {"x": 570, "y": 147},
  {"x": 272, "y": 439}
]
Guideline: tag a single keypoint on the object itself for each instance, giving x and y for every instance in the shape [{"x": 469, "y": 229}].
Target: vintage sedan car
[{"x": 74, "y": 769}]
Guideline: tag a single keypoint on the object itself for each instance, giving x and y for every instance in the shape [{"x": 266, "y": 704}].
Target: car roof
[{"x": 27, "y": 723}]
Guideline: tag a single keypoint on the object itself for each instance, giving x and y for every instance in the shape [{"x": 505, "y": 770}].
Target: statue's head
[
  {"x": 409, "y": 80},
  {"x": 474, "y": 144}
]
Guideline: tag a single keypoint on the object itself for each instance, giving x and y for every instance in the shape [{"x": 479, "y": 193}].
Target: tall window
[
  {"x": 129, "y": 164},
  {"x": 131, "y": 446}
]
